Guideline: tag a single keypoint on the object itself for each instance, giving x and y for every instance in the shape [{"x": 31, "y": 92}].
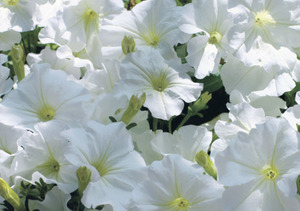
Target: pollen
[
  {"x": 215, "y": 38},
  {"x": 270, "y": 173},
  {"x": 180, "y": 204},
  {"x": 263, "y": 18}
]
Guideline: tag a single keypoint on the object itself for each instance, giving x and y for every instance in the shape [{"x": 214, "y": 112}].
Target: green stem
[
  {"x": 186, "y": 118},
  {"x": 155, "y": 121}
]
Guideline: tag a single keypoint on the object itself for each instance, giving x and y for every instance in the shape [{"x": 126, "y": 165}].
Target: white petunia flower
[
  {"x": 102, "y": 81},
  {"x": 44, "y": 157},
  {"x": 242, "y": 118},
  {"x": 42, "y": 96},
  {"x": 177, "y": 184},
  {"x": 270, "y": 104},
  {"x": 254, "y": 79},
  {"x": 272, "y": 22},
  {"x": 108, "y": 152},
  {"x": 260, "y": 169},
  {"x": 166, "y": 86},
  {"x": 151, "y": 23},
  {"x": 187, "y": 141},
  {"x": 211, "y": 18},
  {"x": 78, "y": 25},
  {"x": 61, "y": 59}
]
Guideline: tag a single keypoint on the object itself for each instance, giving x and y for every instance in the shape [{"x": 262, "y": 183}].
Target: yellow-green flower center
[
  {"x": 159, "y": 83},
  {"x": 215, "y": 38},
  {"x": 270, "y": 172},
  {"x": 152, "y": 39},
  {"x": 90, "y": 18},
  {"x": 263, "y": 18},
  {"x": 46, "y": 113},
  {"x": 90, "y": 14},
  {"x": 50, "y": 168},
  {"x": 11, "y": 2},
  {"x": 180, "y": 204}
]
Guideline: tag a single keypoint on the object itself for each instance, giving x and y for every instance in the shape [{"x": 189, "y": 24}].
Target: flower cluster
[{"x": 116, "y": 105}]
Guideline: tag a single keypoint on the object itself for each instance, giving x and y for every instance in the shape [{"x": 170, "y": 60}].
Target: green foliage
[
  {"x": 289, "y": 97},
  {"x": 182, "y": 2},
  {"x": 181, "y": 50},
  {"x": 211, "y": 83},
  {"x": 35, "y": 191}
]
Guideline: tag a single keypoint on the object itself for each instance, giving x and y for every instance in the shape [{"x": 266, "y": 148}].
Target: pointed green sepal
[
  {"x": 84, "y": 178},
  {"x": 128, "y": 45},
  {"x": 200, "y": 104},
  {"x": 10, "y": 196},
  {"x": 134, "y": 106},
  {"x": 203, "y": 159},
  {"x": 18, "y": 58}
]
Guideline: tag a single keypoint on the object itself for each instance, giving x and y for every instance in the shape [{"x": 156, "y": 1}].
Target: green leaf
[
  {"x": 181, "y": 51},
  {"x": 211, "y": 83}
]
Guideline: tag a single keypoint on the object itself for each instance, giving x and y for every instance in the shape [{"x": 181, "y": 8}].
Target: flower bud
[
  {"x": 10, "y": 196},
  {"x": 128, "y": 45},
  {"x": 203, "y": 159},
  {"x": 134, "y": 106},
  {"x": 18, "y": 58},
  {"x": 200, "y": 104},
  {"x": 84, "y": 178}
]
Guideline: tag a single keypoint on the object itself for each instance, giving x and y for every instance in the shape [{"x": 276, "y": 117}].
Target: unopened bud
[
  {"x": 10, "y": 196},
  {"x": 134, "y": 106},
  {"x": 203, "y": 159},
  {"x": 128, "y": 45},
  {"x": 18, "y": 58},
  {"x": 84, "y": 178},
  {"x": 201, "y": 103}
]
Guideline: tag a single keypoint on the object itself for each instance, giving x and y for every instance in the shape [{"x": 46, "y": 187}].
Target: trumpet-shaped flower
[
  {"x": 43, "y": 157},
  {"x": 211, "y": 18},
  {"x": 270, "y": 104},
  {"x": 254, "y": 79},
  {"x": 108, "y": 152},
  {"x": 61, "y": 59},
  {"x": 78, "y": 25},
  {"x": 260, "y": 168},
  {"x": 275, "y": 22},
  {"x": 177, "y": 184},
  {"x": 166, "y": 85},
  {"x": 152, "y": 23},
  {"x": 243, "y": 117},
  {"x": 42, "y": 96}
]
